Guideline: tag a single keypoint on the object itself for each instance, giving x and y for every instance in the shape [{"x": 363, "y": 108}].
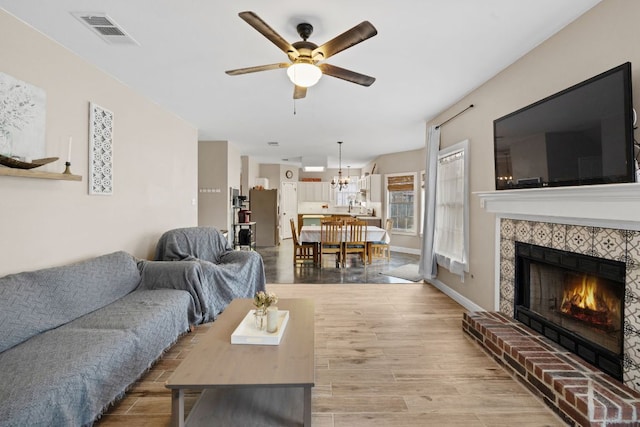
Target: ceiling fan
[{"x": 304, "y": 69}]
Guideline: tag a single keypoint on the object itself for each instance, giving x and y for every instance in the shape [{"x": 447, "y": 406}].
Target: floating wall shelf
[{"x": 25, "y": 173}]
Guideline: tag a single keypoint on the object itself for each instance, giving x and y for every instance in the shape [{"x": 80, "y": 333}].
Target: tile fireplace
[
  {"x": 574, "y": 342},
  {"x": 607, "y": 334}
]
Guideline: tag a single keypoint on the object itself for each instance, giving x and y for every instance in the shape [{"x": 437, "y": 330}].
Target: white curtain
[
  {"x": 449, "y": 241},
  {"x": 427, "y": 268}
]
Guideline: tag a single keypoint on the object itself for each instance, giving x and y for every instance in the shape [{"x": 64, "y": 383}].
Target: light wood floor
[{"x": 386, "y": 355}]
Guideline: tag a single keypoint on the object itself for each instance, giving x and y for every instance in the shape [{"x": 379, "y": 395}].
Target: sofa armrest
[{"x": 180, "y": 275}]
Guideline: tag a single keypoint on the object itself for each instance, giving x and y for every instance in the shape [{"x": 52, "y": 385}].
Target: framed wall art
[{"x": 22, "y": 119}]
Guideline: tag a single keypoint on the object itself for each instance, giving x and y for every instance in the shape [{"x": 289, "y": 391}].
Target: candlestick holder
[{"x": 67, "y": 168}]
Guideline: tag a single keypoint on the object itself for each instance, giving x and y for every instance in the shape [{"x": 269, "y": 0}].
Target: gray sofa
[{"x": 74, "y": 338}]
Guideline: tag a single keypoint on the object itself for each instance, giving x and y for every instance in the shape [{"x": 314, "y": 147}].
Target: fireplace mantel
[{"x": 608, "y": 204}]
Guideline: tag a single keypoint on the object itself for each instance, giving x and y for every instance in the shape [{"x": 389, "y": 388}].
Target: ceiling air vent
[{"x": 105, "y": 27}]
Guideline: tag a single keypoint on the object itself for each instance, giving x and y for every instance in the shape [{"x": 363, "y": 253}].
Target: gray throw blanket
[
  {"x": 181, "y": 275},
  {"x": 228, "y": 274}
]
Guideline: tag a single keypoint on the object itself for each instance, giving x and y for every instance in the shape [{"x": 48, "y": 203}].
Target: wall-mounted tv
[{"x": 580, "y": 136}]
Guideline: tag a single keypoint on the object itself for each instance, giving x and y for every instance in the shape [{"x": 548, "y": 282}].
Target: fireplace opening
[{"x": 574, "y": 300}]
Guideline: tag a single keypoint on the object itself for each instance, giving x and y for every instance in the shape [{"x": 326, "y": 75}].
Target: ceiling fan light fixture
[{"x": 304, "y": 74}]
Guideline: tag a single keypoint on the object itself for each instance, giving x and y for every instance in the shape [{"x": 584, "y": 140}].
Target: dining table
[{"x": 311, "y": 234}]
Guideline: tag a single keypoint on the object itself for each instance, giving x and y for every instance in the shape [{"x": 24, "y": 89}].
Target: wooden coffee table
[{"x": 245, "y": 384}]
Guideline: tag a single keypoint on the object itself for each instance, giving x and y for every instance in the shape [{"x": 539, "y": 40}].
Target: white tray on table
[{"x": 248, "y": 333}]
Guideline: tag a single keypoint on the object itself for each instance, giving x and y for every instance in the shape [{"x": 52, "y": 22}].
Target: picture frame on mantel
[{"x": 100, "y": 150}]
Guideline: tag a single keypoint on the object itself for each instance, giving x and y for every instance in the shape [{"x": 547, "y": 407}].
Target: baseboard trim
[
  {"x": 405, "y": 250},
  {"x": 457, "y": 297}
]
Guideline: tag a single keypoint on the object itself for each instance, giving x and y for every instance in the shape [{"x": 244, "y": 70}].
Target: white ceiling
[{"x": 427, "y": 55}]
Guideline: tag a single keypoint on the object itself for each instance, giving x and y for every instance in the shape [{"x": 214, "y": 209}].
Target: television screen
[{"x": 580, "y": 136}]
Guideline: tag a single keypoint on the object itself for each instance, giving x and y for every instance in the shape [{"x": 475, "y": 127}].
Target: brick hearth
[{"x": 580, "y": 393}]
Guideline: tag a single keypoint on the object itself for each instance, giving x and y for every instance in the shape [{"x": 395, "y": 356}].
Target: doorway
[{"x": 289, "y": 208}]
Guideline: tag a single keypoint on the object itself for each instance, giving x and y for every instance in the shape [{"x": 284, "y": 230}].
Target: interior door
[{"x": 288, "y": 208}]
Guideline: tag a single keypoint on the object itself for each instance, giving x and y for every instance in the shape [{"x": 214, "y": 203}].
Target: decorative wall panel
[{"x": 100, "y": 151}]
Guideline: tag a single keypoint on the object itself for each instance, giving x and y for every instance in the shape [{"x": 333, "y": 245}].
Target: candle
[
  {"x": 272, "y": 319},
  {"x": 69, "y": 154}
]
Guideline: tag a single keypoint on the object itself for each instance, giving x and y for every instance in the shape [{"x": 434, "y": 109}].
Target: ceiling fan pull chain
[{"x": 294, "y": 107}]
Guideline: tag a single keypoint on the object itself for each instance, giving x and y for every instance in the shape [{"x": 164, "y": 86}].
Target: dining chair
[
  {"x": 302, "y": 252},
  {"x": 349, "y": 219},
  {"x": 355, "y": 241},
  {"x": 331, "y": 236},
  {"x": 381, "y": 249}
]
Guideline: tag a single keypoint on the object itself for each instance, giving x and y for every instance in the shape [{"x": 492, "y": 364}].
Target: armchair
[{"x": 228, "y": 274}]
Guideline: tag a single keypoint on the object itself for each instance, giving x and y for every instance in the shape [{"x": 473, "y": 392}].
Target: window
[
  {"x": 401, "y": 201},
  {"x": 349, "y": 194},
  {"x": 451, "y": 237}
]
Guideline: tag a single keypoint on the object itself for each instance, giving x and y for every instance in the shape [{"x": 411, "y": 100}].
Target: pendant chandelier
[{"x": 341, "y": 183}]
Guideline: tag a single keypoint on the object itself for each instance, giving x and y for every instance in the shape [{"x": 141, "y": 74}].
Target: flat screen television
[{"x": 582, "y": 135}]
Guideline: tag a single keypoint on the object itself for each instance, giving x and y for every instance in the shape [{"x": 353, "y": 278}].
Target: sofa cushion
[
  {"x": 67, "y": 376},
  {"x": 36, "y": 301}
]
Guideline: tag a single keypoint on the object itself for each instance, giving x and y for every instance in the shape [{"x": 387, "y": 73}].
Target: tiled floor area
[{"x": 279, "y": 268}]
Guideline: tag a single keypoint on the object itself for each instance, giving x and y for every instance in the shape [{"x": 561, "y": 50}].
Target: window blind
[{"x": 400, "y": 183}]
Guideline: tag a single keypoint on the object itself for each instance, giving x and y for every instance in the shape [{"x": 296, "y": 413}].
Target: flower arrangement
[{"x": 264, "y": 300}]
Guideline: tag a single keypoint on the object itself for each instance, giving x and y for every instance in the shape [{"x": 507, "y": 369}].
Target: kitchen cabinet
[
  {"x": 371, "y": 186},
  {"x": 314, "y": 192}
]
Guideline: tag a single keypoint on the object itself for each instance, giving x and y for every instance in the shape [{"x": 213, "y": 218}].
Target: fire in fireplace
[
  {"x": 586, "y": 300},
  {"x": 574, "y": 300}
]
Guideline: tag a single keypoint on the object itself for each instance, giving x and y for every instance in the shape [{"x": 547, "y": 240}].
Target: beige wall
[
  {"x": 603, "y": 38},
  {"x": 403, "y": 162},
  {"x": 250, "y": 172},
  {"x": 214, "y": 193},
  {"x": 45, "y": 223},
  {"x": 219, "y": 170}
]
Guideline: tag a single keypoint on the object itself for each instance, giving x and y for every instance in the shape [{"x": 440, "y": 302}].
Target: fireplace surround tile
[
  {"x": 507, "y": 267},
  {"x": 579, "y": 239},
  {"x": 633, "y": 250},
  {"x": 507, "y": 249},
  {"x": 541, "y": 233},
  {"x": 609, "y": 243},
  {"x": 632, "y": 292},
  {"x": 558, "y": 236},
  {"x": 507, "y": 297},
  {"x": 621, "y": 245},
  {"x": 523, "y": 231},
  {"x": 507, "y": 228}
]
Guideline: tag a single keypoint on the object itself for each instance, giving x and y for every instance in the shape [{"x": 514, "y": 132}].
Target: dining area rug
[{"x": 406, "y": 272}]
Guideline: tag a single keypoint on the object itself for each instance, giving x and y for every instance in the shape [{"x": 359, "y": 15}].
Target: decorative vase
[
  {"x": 260, "y": 316},
  {"x": 272, "y": 319}
]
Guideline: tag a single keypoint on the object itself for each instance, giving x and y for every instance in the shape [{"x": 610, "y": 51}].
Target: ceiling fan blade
[
  {"x": 348, "y": 75},
  {"x": 299, "y": 92},
  {"x": 263, "y": 28},
  {"x": 239, "y": 71},
  {"x": 357, "y": 34}
]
